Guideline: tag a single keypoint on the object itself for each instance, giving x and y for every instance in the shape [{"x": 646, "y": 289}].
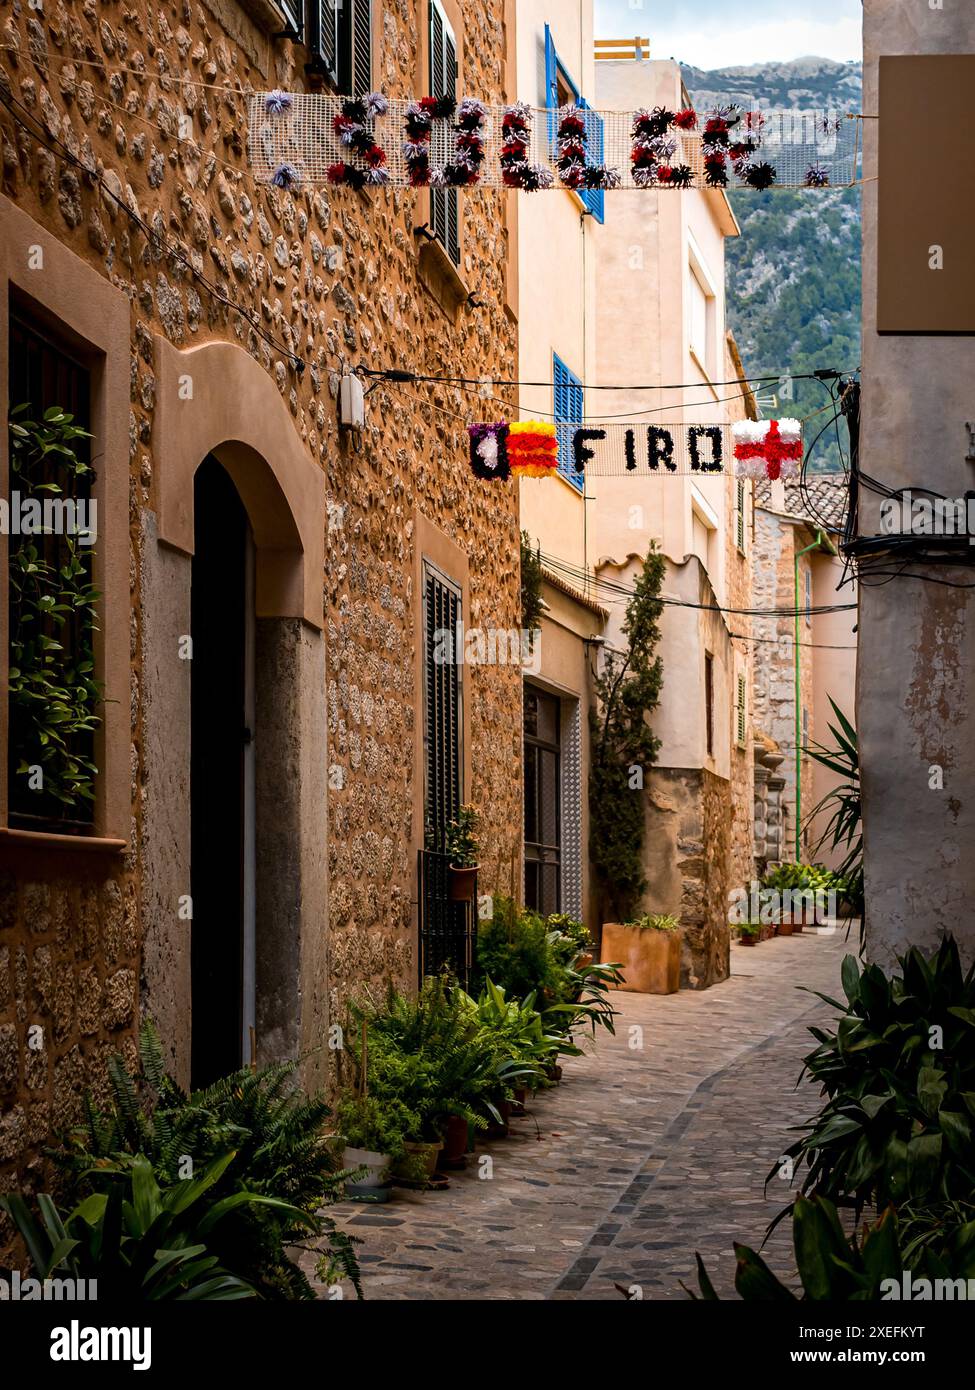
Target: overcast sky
[{"x": 721, "y": 33}]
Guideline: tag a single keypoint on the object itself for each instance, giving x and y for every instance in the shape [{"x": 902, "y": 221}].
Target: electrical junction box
[
  {"x": 926, "y": 195},
  {"x": 352, "y": 405}
]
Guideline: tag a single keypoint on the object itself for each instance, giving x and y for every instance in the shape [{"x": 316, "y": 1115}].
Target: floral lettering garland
[
  {"x": 654, "y": 147},
  {"x": 516, "y": 171},
  {"x": 354, "y": 128},
  {"x": 768, "y": 448},
  {"x": 573, "y": 138}
]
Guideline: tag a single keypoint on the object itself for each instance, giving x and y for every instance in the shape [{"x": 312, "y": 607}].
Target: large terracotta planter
[{"x": 650, "y": 959}]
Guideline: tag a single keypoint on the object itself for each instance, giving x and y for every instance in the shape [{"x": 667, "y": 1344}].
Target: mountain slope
[{"x": 793, "y": 276}]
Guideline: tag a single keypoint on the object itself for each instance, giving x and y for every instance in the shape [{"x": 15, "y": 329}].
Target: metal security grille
[
  {"x": 446, "y": 928},
  {"x": 42, "y": 374},
  {"x": 444, "y": 202},
  {"x": 572, "y": 794},
  {"x": 543, "y": 797}
]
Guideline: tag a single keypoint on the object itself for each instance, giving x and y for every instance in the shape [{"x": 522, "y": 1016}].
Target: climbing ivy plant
[
  {"x": 53, "y": 693},
  {"x": 531, "y": 588},
  {"x": 627, "y": 690}
]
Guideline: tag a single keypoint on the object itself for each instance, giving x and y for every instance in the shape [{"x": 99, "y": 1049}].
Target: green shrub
[
  {"x": 656, "y": 921},
  {"x": 834, "y": 1267},
  {"x": 278, "y": 1134},
  {"x": 899, "y": 1073},
  {"x": 382, "y": 1126},
  {"x": 140, "y": 1241},
  {"x": 517, "y": 951}
]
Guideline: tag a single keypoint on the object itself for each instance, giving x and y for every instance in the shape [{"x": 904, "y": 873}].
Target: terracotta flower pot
[
  {"x": 500, "y": 1131},
  {"x": 650, "y": 959},
  {"x": 463, "y": 883},
  {"x": 454, "y": 1152},
  {"x": 785, "y": 927},
  {"x": 419, "y": 1161},
  {"x": 748, "y": 941}
]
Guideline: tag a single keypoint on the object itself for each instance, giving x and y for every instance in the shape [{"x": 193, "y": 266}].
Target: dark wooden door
[{"x": 217, "y": 733}]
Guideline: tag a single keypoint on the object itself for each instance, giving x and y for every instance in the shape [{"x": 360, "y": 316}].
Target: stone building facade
[
  {"x": 801, "y": 525},
  {"x": 216, "y": 318}
]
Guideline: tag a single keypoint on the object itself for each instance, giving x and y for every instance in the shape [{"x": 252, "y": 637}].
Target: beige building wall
[
  {"x": 916, "y": 676},
  {"x": 658, "y": 250},
  {"x": 557, "y": 248}
]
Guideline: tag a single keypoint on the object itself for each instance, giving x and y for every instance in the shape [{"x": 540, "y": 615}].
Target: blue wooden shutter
[
  {"x": 551, "y": 92},
  {"x": 568, "y": 413},
  {"x": 594, "y": 198}
]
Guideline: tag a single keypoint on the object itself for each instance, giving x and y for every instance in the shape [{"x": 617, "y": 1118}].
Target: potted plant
[
  {"x": 460, "y": 842},
  {"x": 648, "y": 950},
  {"x": 374, "y": 1130},
  {"x": 749, "y": 933}
]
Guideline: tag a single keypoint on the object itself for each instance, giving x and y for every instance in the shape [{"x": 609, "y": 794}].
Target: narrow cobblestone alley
[{"x": 640, "y": 1157}]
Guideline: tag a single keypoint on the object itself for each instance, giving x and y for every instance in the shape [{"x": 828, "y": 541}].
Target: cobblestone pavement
[{"x": 640, "y": 1157}]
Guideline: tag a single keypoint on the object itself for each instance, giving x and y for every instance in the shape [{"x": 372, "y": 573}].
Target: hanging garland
[
  {"x": 516, "y": 171},
  {"x": 489, "y": 451},
  {"x": 464, "y": 170},
  {"x": 420, "y": 116},
  {"x": 533, "y": 449},
  {"x": 529, "y": 448},
  {"x": 573, "y": 139},
  {"x": 768, "y": 448},
  {"x": 653, "y": 148},
  {"x": 354, "y": 127}
]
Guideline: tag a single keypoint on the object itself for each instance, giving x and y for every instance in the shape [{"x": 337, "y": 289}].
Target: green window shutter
[
  {"x": 361, "y": 47},
  {"x": 444, "y": 202},
  {"x": 740, "y": 517},
  {"x": 742, "y": 724}
]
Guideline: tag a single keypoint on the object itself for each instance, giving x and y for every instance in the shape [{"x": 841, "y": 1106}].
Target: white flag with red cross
[{"x": 767, "y": 448}]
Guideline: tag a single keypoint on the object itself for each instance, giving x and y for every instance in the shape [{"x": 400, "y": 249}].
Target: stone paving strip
[{"x": 640, "y": 1157}]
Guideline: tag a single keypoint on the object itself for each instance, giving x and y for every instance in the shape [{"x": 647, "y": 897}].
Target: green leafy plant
[
  {"x": 517, "y": 1029},
  {"x": 139, "y": 1240},
  {"x": 750, "y": 929},
  {"x": 283, "y": 1153},
  {"x": 380, "y": 1125},
  {"x": 460, "y": 838},
  {"x": 516, "y": 949},
  {"x": 843, "y": 829},
  {"x": 655, "y": 921},
  {"x": 531, "y": 589},
  {"x": 899, "y": 1074},
  {"x": 627, "y": 690},
  {"x": 53, "y": 694},
  {"x": 834, "y": 1267}
]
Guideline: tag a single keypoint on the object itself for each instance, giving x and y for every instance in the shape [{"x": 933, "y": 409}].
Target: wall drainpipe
[{"x": 822, "y": 542}]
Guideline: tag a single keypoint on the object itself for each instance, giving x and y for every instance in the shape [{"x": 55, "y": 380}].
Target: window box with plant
[
  {"x": 460, "y": 841},
  {"x": 649, "y": 949}
]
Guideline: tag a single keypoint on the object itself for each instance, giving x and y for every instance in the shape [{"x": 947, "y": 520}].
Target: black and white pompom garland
[
  {"x": 517, "y": 171},
  {"x": 653, "y": 148},
  {"x": 354, "y": 127},
  {"x": 573, "y": 139}
]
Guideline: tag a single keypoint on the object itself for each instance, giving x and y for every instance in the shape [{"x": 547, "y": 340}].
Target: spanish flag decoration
[{"x": 533, "y": 449}]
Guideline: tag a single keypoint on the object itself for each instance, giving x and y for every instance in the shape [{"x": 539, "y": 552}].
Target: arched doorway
[{"x": 222, "y": 825}]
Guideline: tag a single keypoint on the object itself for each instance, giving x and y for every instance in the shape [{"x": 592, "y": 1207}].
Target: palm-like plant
[{"x": 843, "y": 829}]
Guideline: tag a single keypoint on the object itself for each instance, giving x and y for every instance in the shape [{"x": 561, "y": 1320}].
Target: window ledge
[
  {"x": 442, "y": 278},
  {"x": 50, "y": 839}
]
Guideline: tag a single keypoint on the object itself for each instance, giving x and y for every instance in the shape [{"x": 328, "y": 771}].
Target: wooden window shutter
[
  {"x": 361, "y": 47},
  {"x": 442, "y": 700},
  {"x": 444, "y": 202}
]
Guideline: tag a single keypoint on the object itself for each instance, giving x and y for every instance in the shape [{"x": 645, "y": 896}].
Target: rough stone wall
[
  {"x": 334, "y": 278},
  {"x": 773, "y": 668},
  {"x": 688, "y": 839}
]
